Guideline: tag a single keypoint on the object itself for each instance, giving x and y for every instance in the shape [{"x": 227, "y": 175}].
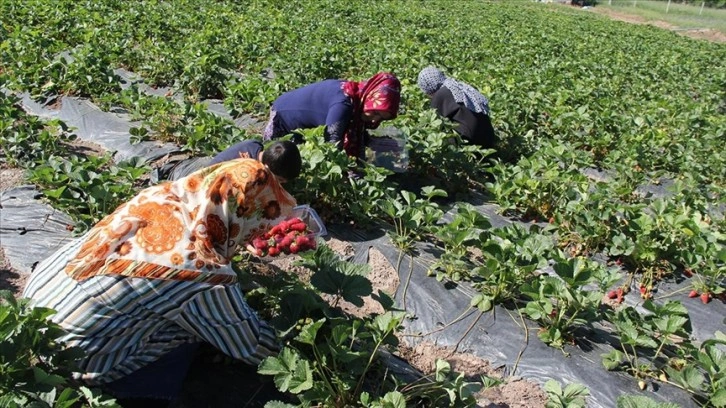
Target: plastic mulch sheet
[
  {"x": 109, "y": 130},
  {"x": 30, "y": 230},
  {"x": 500, "y": 336}
]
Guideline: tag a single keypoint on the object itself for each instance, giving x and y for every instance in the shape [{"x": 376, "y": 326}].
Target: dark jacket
[{"x": 473, "y": 127}]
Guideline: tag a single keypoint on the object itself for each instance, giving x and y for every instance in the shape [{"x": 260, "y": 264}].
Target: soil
[
  {"x": 86, "y": 148},
  {"x": 701, "y": 34},
  {"x": 10, "y": 177},
  {"x": 513, "y": 392},
  {"x": 10, "y": 279}
]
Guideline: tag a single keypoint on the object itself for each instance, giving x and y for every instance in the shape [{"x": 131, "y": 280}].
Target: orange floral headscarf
[
  {"x": 382, "y": 92},
  {"x": 188, "y": 229}
]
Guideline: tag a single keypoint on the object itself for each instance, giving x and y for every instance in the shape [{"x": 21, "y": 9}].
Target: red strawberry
[
  {"x": 260, "y": 243},
  {"x": 612, "y": 294},
  {"x": 299, "y": 226},
  {"x": 302, "y": 240},
  {"x": 619, "y": 295},
  {"x": 692, "y": 294},
  {"x": 705, "y": 297},
  {"x": 286, "y": 241},
  {"x": 294, "y": 248},
  {"x": 273, "y": 251}
]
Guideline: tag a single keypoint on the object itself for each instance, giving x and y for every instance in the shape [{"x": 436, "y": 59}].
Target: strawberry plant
[
  {"x": 26, "y": 140},
  {"x": 705, "y": 375},
  {"x": 456, "y": 237},
  {"x": 411, "y": 217},
  {"x": 572, "y": 396},
  {"x": 541, "y": 185},
  {"x": 35, "y": 368},
  {"x": 326, "y": 184},
  {"x": 561, "y": 303},
  {"x": 87, "y": 188},
  {"x": 510, "y": 258},
  {"x": 333, "y": 359},
  {"x": 440, "y": 156},
  {"x": 647, "y": 341}
]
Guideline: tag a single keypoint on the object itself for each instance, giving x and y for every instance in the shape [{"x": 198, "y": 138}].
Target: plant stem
[
  {"x": 444, "y": 327},
  {"x": 466, "y": 333},
  {"x": 526, "y": 342},
  {"x": 408, "y": 279}
]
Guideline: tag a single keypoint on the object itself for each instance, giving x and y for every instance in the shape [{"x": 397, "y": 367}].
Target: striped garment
[{"x": 125, "y": 323}]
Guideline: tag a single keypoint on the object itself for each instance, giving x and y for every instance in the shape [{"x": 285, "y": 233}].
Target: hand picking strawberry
[{"x": 289, "y": 237}]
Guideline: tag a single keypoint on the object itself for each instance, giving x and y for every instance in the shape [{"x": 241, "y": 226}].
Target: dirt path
[{"x": 701, "y": 34}]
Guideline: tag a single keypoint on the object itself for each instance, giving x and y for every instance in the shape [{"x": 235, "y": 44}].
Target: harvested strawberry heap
[{"x": 289, "y": 237}]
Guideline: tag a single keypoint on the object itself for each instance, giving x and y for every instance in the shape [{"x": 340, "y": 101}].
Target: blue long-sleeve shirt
[{"x": 317, "y": 104}]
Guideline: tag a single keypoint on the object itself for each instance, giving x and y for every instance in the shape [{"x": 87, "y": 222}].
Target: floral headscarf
[
  {"x": 430, "y": 79},
  {"x": 381, "y": 92},
  {"x": 188, "y": 229}
]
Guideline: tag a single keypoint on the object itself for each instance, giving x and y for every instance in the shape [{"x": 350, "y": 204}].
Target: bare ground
[
  {"x": 701, "y": 34},
  {"x": 10, "y": 279}
]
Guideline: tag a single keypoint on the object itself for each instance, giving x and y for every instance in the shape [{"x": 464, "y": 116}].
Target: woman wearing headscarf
[
  {"x": 346, "y": 108},
  {"x": 461, "y": 103},
  {"x": 153, "y": 280}
]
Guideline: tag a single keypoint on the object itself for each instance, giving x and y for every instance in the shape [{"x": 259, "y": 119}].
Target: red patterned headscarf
[
  {"x": 381, "y": 92},
  {"x": 188, "y": 229}
]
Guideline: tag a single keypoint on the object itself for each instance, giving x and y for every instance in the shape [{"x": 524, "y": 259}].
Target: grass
[{"x": 684, "y": 16}]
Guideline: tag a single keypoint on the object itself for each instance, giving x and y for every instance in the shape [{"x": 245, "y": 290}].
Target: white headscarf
[{"x": 430, "y": 79}]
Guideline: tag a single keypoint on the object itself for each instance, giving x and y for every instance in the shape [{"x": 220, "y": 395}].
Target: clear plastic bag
[{"x": 310, "y": 217}]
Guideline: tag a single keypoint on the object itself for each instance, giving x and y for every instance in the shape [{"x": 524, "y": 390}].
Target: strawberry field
[{"x": 586, "y": 254}]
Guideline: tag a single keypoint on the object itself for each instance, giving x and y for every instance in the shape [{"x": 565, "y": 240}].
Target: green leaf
[
  {"x": 689, "y": 377},
  {"x": 393, "y": 399},
  {"x": 639, "y": 401},
  {"x": 612, "y": 360},
  {"x": 290, "y": 372},
  {"x": 309, "y": 332},
  {"x": 718, "y": 399}
]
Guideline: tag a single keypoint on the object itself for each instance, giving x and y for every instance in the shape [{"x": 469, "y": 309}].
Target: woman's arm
[{"x": 337, "y": 122}]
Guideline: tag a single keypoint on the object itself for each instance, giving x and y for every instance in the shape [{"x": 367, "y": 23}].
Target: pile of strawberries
[{"x": 289, "y": 237}]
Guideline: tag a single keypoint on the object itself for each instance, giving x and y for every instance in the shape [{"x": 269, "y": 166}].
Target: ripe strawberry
[
  {"x": 612, "y": 294},
  {"x": 286, "y": 241},
  {"x": 705, "y": 297},
  {"x": 294, "y": 248},
  {"x": 692, "y": 294},
  {"x": 619, "y": 295},
  {"x": 298, "y": 226},
  {"x": 273, "y": 251},
  {"x": 302, "y": 241},
  {"x": 643, "y": 290},
  {"x": 260, "y": 243}
]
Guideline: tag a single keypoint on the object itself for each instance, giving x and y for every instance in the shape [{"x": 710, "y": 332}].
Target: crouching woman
[{"x": 150, "y": 282}]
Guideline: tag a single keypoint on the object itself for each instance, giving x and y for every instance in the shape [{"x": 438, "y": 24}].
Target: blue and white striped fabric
[{"x": 126, "y": 323}]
